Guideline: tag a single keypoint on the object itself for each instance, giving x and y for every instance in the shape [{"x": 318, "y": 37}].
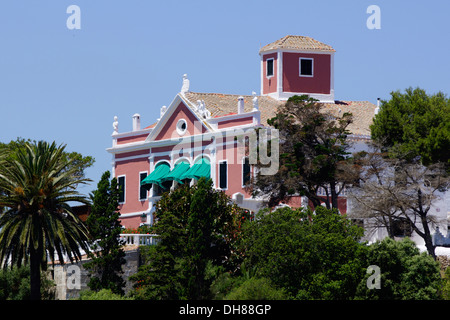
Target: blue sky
[{"x": 129, "y": 56}]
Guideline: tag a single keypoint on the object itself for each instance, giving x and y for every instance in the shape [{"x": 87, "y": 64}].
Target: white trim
[
  {"x": 295, "y": 51},
  {"x": 182, "y": 159},
  {"x": 280, "y": 72},
  {"x": 201, "y": 156},
  {"x": 236, "y": 116},
  {"x": 218, "y": 185},
  {"x": 273, "y": 68},
  {"x": 300, "y": 67},
  {"x": 129, "y": 147},
  {"x": 159, "y": 161},
  {"x": 261, "y": 74},
  {"x": 136, "y": 146},
  {"x": 125, "y": 187},
  {"x": 139, "y": 186},
  {"x": 132, "y": 133},
  {"x": 322, "y": 97},
  {"x": 132, "y": 157}
]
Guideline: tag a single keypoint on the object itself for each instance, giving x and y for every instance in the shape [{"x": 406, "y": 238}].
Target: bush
[
  {"x": 446, "y": 284},
  {"x": 256, "y": 289},
  {"x": 405, "y": 273},
  {"x": 104, "y": 294},
  {"x": 15, "y": 284},
  {"x": 311, "y": 257}
]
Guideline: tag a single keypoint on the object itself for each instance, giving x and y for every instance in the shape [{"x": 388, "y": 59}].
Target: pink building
[{"x": 196, "y": 134}]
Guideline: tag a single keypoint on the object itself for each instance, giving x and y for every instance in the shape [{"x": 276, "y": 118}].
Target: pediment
[{"x": 178, "y": 121}]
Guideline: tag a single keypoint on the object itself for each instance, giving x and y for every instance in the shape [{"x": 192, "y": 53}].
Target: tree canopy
[
  {"x": 107, "y": 254},
  {"x": 413, "y": 125},
  {"x": 37, "y": 183},
  {"x": 195, "y": 227},
  {"x": 314, "y": 154}
]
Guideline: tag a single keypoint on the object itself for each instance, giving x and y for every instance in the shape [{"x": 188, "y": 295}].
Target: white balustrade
[{"x": 139, "y": 239}]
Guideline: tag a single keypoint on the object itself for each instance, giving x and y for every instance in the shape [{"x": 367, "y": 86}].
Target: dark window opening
[
  {"x": 142, "y": 189},
  {"x": 306, "y": 67},
  {"x": 121, "y": 185},
  {"x": 223, "y": 175},
  {"x": 246, "y": 171},
  {"x": 269, "y": 70}
]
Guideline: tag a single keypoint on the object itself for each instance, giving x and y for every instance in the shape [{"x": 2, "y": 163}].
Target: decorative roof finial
[
  {"x": 116, "y": 125},
  {"x": 185, "y": 87},
  {"x": 255, "y": 101}
]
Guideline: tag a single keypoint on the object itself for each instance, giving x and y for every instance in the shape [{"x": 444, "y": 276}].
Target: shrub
[
  {"x": 104, "y": 294},
  {"x": 15, "y": 284},
  {"x": 405, "y": 273},
  {"x": 256, "y": 289}
]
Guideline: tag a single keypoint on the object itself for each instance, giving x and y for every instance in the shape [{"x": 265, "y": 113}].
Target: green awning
[
  {"x": 177, "y": 172},
  {"x": 160, "y": 171},
  {"x": 201, "y": 168}
]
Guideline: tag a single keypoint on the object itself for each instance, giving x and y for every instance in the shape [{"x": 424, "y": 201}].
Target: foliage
[
  {"x": 15, "y": 284},
  {"x": 195, "y": 228},
  {"x": 414, "y": 124},
  {"x": 313, "y": 153},
  {"x": 107, "y": 252},
  {"x": 310, "y": 256},
  {"x": 446, "y": 285},
  {"x": 405, "y": 273},
  {"x": 256, "y": 289},
  {"x": 144, "y": 229},
  {"x": 103, "y": 294},
  {"x": 74, "y": 159},
  {"x": 36, "y": 188}
]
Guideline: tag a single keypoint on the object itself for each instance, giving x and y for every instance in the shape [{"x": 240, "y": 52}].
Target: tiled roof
[
  {"x": 223, "y": 104},
  {"x": 297, "y": 43}
]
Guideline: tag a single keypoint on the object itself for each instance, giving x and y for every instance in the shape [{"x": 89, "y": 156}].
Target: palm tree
[{"x": 36, "y": 186}]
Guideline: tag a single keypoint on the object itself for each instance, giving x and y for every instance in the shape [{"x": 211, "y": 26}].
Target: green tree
[
  {"x": 313, "y": 154},
  {"x": 36, "y": 188},
  {"x": 107, "y": 252},
  {"x": 256, "y": 289},
  {"x": 405, "y": 273},
  {"x": 414, "y": 124},
  {"x": 77, "y": 163},
  {"x": 310, "y": 256},
  {"x": 15, "y": 284},
  {"x": 74, "y": 159},
  {"x": 195, "y": 228}
]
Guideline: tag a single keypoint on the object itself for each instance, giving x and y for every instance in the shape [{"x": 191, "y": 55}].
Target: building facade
[{"x": 197, "y": 134}]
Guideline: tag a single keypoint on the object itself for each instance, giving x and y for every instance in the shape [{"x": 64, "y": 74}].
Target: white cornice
[
  {"x": 296, "y": 51},
  {"x": 132, "y": 133}
]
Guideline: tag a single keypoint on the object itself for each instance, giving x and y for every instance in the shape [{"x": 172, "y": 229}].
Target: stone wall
[{"x": 72, "y": 278}]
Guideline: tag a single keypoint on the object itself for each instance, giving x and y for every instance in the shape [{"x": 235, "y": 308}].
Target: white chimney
[
  {"x": 136, "y": 122},
  {"x": 240, "y": 105},
  {"x": 377, "y": 109}
]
